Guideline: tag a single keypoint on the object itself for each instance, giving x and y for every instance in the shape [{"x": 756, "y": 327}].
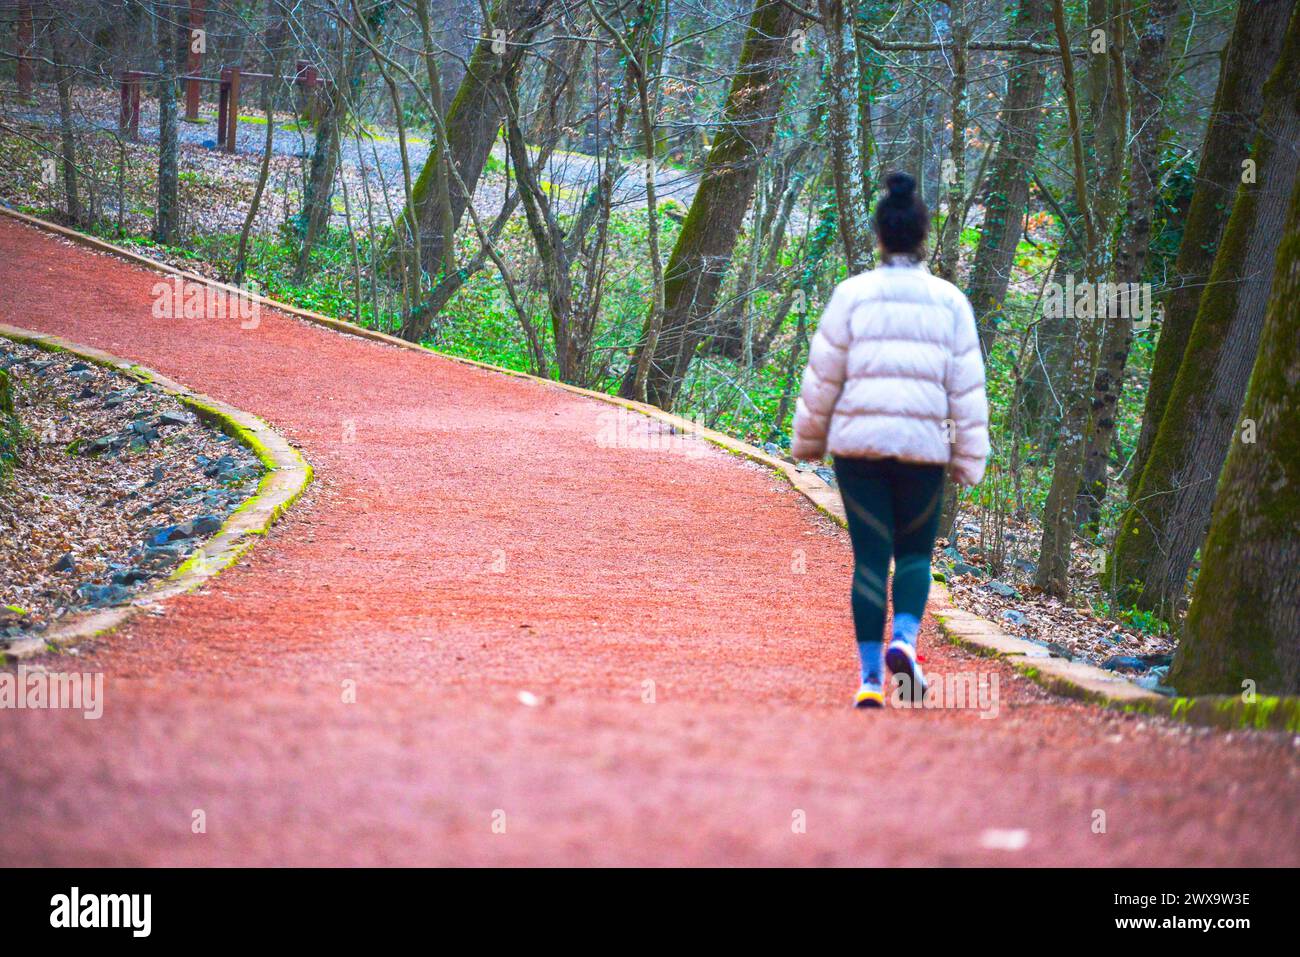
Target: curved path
[{"x": 469, "y": 538}]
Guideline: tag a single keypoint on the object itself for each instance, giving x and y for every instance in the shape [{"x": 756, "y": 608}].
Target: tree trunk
[
  {"x": 1150, "y": 66},
  {"x": 318, "y": 194},
  {"x": 954, "y": 177},
  {"x": 275, "y": 47},
  {"x": 847, "y": 161},
  {"x": 1158, "y": 540},
  {"x": 1108, "y": 115},
  {"x": 67, "y": 138},
  {"x": 1251, "y": 54},
  {"x": 1244, "y": 621},
  {"x": 167, "y": 219},
  {"x": 549, "y": 241},
  {"x": 708, "y": 236},
  {"x": 472, "y": 123},
  {"x": 1008, "y": 190},
  {"x": 814, "y": 263}
]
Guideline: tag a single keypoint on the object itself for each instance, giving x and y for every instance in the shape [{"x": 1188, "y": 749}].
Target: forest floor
[
  {"x": 487, "y": 636},
  {"x": 115, "y": 484}
]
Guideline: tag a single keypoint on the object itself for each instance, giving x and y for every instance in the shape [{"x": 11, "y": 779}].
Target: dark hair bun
[
  {"x": 901, "y": 187},
  {"x": 902, "y": 219}
]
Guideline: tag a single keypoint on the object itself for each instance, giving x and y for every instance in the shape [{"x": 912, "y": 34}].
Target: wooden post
[
  {"x": 307, "y": 84},
  {"x": 232, "y": 107},
  {"x": 25, "y": 47},
  {"x": 128, "y": 122},
  {"x": 223, "y": 106},
  {"x": 194, "y": 63}
]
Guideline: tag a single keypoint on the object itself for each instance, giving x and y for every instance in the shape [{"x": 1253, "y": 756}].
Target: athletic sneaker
[
  {"x": 900, "y": 658},
  {"x": 869, "y": 695}
]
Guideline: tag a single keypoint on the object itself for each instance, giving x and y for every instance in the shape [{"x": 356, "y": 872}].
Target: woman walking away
[{"x": 894, "y": 390}]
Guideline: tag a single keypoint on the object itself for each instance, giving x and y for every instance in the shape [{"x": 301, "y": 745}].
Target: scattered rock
[
  {"x": 1154, "y": 680},
  {"x": 66, "y": 563},
  {"x": 1002, "y": 589},
  {"x": 1013, "y": 616},
  {"x": 172, "y": 418},
  {"x": 127, "y": 577},
  {"x": 205, "y": 525},
  {"x": 98, "y": 595},
  {"x": 1124, "y": 663}
]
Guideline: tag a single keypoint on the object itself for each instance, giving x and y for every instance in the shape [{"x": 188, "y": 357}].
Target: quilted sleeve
[
  {"x": 968, "y": 408},
  {"x": 823, "y": 378}
]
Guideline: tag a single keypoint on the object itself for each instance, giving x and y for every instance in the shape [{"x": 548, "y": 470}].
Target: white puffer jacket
[{"x": 895, "y": 371}]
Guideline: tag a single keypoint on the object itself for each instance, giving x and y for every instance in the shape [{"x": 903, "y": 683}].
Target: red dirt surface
[{"x": 620, "y": 567}]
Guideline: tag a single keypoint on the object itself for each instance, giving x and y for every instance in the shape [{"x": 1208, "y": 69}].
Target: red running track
[{"x": 622, "y": 567}]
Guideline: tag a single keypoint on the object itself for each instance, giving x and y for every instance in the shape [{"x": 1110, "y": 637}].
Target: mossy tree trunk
[
  {"x": 1244, "y": 621},
  {"x": 1150, "y": 65},
  {"x": 472, "y": 123},
  {"x": 1251, "y": 53},
  {"x": 708, "y": 236},
  {"x": 1161, "y": 533},
  {"x": 1008, "y": 186}
]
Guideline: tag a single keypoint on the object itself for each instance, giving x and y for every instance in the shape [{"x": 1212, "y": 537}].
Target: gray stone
[
  {"x": 172, "y": 418},
  {"x": 205, "y": 525},
  {"x": 102, "y": 594},
  {"x": 1124, "y": 663}
]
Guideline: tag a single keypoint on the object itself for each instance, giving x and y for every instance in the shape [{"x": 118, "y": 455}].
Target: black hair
[{"x": 902, "y": 218}]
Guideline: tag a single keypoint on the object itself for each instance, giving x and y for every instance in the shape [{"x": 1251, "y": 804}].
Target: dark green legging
[{"x": 893, "y": 510}]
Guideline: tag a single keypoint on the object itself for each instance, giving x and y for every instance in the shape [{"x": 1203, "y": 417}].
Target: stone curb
[
  {"x": 286, "y": 478},
  {"x": 1070, "y": 679}
]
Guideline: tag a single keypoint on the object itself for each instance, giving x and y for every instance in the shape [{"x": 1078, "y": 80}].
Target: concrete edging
[
  {"x": 287, "y": 476},
  {"x": 1070, "y": 679}
]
